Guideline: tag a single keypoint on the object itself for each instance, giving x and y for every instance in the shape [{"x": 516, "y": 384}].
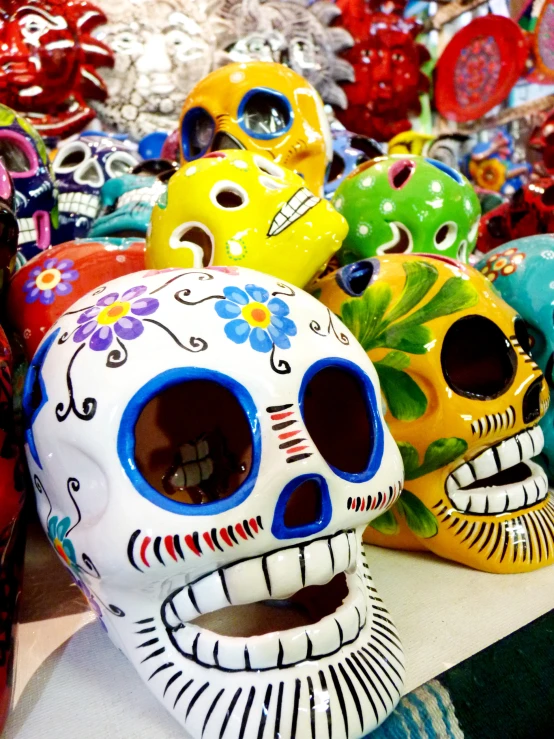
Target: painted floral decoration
[
  {"x": 57, "y": 533},
  {"x": 117, "y": 315},
  {"x": 505, "y": 263},
  {"x": 490, "y": 174},
  {"x": 253, "y": 316},
  {"x": 52, "y": 278}
]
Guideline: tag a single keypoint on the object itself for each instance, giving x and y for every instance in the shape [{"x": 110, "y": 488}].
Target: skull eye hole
[
  {"x": 477, "y": 359},
  {"x": 70, "y": 157},
  {"x": 14, "y": 157},
  {"x": 446, "y": 235},
  {"x": 526, "y": 341},
  {"x": 369, "y": 148},
  {"x": 336, "y": 415},
  {"x": 193, "y": 442},
  {"x": 120, "y": 163},
  {"x": 336, "y": 168},
  {"x": 196, "y": 133},
  {"x": 268, "y": 168},
  {"x": 228, "y": 195},
  {"x": 265, "y": 114}
]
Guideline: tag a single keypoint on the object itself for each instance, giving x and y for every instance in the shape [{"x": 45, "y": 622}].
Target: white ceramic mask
[{"x": 204, "y": 445}]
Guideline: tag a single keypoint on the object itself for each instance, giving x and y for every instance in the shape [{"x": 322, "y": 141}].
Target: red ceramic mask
[
  {"x": 542, "y": 140},
  {"x": 48, "y": 62},
  {"x": 387, "y": 63},
  {"x": 47, "y": 285},
  {"x": 11, "y": 535},
  {"x": 529, "y": 212}
]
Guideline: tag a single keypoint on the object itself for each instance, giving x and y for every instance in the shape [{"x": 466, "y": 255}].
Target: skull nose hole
[
  {"x": 531, "y": 402},
  {"x": 304, "y": 505},
  {"x": 358, "y": 276},
  {"x": 90, "y": 174}
]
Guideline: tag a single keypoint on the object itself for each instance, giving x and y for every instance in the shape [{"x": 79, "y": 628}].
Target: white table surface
[{"x": 72, "y": 682}]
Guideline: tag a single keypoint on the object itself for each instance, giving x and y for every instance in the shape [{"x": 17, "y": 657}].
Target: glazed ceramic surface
[
  {"x": 451, "y": 149},
  {"x": 8, "y": 226},
  {"x": 401, "y": 204},
  {"x": 410, "y": 142},
  {"x": 491, "y": 166},
  {"x": 349, "y": 151},
  {"x": 161, "y": 51},
  {"x": 11, "y": 530},
  {"x": 293, "y": 33},
  {"x": 50, "y": 283},
  {"x": 188, "y": 459},
  {"x": 82, "y": 165},
  {"x": 523, "y": 273},
  {"x": 239, "y": 208},
  {"x": 542, "y": 140},
  {"x": 25, "y": 157},
  {"x": 49, "y": 87},
  {"x": 529, "y": 211},
  {"x": 264, "y": 107},
  {"x": 463, "y": 402}
]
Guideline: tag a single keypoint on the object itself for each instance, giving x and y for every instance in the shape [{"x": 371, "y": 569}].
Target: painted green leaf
[
  {"x": 456, "y": 294},
  {"x": 363, "y": 316},
  {"x": 420, "y": 278},
  {"x": 420, "y": 520},
  {"x": 398, "y": 360},
  {"x": 411, "y": 338},
  {"x": 410, "y": 458},
  {"x": 405, "y": 399},
  {"x": 440, "y": 453},
  {"x": 386, "y": 523}
]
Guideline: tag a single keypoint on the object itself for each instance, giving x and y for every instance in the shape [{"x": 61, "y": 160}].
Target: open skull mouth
[
  {"x": 35, "y": 230},
  {"x": 142, "y": 196},
  {"x": 79, "y": 203},
  {"x": 401, "y": 242},
  {"x": 501, "y": 479},
  {"x": 298, "y": 205}
]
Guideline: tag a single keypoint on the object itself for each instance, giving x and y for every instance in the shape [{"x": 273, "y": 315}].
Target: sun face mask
[
  {"x": 238, "y": 208},
  {"x": 401, "y": 204},
  {"x": 463, "y": 402},
  {"x": 263, "y": 107},
  {"x": 191, "y": 468}
]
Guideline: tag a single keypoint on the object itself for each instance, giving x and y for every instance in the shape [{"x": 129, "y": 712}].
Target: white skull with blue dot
[{"x": 247, "y": 614}]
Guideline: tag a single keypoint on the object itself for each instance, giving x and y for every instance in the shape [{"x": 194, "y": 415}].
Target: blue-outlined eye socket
[
  {"x": 197, "y": 132},
  {"x": 265, "y": 114},
  {"x": 190, "y": 442},
  {"x": 340, "y": 412},
  {"x": 456, "y": 176}
]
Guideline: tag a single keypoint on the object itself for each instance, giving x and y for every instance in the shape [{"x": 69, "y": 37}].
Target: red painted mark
[
  {"x": 240, "y": 531},
  {"x": 373, "y": 503},
  {"x": 362, "y": 507},
  {"x": 294, "y": 449},
  {"x": 225, "y": 536},
  {"x": 253, "y": 525},
  {"x": 208, "y": 540},
  {"x": 170, "y": 546},
  {"x": 215, "y": 155},
  {"x": 191, "y": 545},
  {"x": 288, "y": 434},
  {"x": 143, "y": 549},
  {"x": 280, "y": 416}
]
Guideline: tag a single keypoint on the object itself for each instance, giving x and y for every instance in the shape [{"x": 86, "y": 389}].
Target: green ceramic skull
[{"x": 401, "y": 204}]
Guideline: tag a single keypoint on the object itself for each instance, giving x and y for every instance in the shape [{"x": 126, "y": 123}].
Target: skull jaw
[{"x": 354, "y": 686}]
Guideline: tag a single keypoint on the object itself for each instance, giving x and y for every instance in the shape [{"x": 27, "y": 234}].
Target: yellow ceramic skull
[
  {"x": 463, "y": 399},
  {"x": 239, "y": 208},
  {"x": 263, "y": 107}
]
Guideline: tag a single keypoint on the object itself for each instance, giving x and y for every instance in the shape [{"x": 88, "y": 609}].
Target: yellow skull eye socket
[
  {"x": 265, "y": 114},
  {"x": 197, "y": 131},
  {"x": 228, "y": 195},
  {"x": 268, "y": 167}
]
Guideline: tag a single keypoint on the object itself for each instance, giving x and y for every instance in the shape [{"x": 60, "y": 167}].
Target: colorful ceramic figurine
[
  {"x": 530, "y": 211},
  {"x": 410, "y": 142},
  {"x": 463, "y": 402},
  {"x": 48, "y": 62},
  {"x": 387, "y": 63},
  {"x": 349, "y": 151},
  {"x": 523, "y": 272},
  {"x": 8, "y": 226},
  {"x": 81, "y": 166},
  {"x": 490, "y": 165},
  {"x": 295, "y": 33},
  {"x": 264, "y": 107},
  {"x": 24, "y": 154},
  {"x": 401, "y": 204},
  {"x": 50, "y": 283},
  {"x": 542, "y": 140},
  {"x": 239, "y": 208},
  {"x": 11, "y": 528},
  {"x": 210, "y": 442},
  {"x": 162, "y": 50}
]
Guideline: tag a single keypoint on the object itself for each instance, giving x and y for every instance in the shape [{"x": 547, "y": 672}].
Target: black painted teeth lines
[{"x": 494, "y": 422}]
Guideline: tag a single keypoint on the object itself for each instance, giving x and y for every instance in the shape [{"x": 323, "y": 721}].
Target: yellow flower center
[
  {"x": 257, "y": 315},
  {"x": 48, "y": 279},
  {"x": 112, "y": 313}
]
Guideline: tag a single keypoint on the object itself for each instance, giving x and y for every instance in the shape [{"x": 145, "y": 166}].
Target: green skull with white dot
[{"x": 400, "y": 205}]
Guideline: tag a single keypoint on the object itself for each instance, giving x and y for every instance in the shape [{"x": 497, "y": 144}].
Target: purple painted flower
[
  {"x": 115, "y": 315},
  {"x": 52, "y": 278}
]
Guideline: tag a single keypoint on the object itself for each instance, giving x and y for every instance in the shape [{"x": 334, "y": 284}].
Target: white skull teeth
[
  {"x": 298, "y": 205},
  {"x": 510, "y": 481},
  {"x": 27, "y": 230},
  {"x": 274, "y": 576},
  {"x": 147, "y": 196},
  {"x": 79, "y": 203}
]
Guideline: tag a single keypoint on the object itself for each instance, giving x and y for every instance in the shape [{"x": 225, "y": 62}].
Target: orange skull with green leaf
[{"x": 463, "y": 400}]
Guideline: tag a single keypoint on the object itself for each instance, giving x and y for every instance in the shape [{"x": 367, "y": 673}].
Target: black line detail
[
  {"x": 265, "y": 711},
  {"x": 148, "y": 643},
  {"x": 283, "y": 424},
  {"x": 312, "y": 705},
  {"x": 180, "y": 693},
  {"x": 370, "y": 681},
  {"x": 232, "y": 705},
  {"x": 157, "y": 543},
  {"x": 160, "y": 669},
  {"x": 130, "y": 546},
  {"x": 192, "y": 599},
  {"x": 224, "y": 585},
  {"x": 215, "y": 540},
  {"x": 298, "y": 457},
  {"x": 340, "y": 697},
  {"x": 171, "y": 680},
  {"x": 177, "y": 545},
  {"x": 297, "y": 687},
  {"x": 211, "y": 710},
  {"x": 159, "y": 651},
  {"x": 354, "y": 695},
  {"x": 277, "y": 732},
  {"x": 290, "y": 442},
  {"x": 487, "y": 538},
  {"x": 196, "y": 697},
  {"x": 496, "y": 542},
  {"x": 278, "y": 408},
  {"x": 323, "y": 682}
]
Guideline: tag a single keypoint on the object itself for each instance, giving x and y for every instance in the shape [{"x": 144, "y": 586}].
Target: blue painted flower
[
  {"x": 52, "y": 278},
  {"x": 57, "y": 533},
  {"x": 113, "y": 314},
  {"x": 253, "y": 316}
]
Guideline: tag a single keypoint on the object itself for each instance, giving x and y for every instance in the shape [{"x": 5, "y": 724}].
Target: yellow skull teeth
[
  {"x": 498, "y": 493},
  {"x": 298, "y": 205}
]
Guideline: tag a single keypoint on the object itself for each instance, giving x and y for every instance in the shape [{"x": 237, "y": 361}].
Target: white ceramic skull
[{"x": 204, "y": 445}]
